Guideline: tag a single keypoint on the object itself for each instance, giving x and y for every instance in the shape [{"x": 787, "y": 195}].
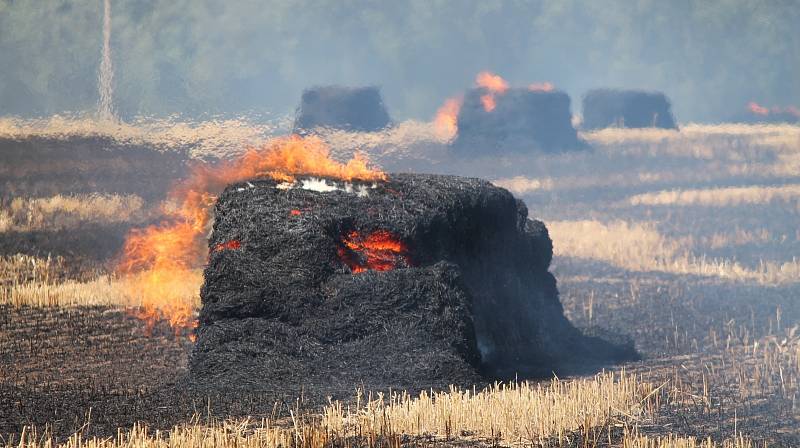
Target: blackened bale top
[
  {"x": 346, "y": 108},
  {"x": 419, "y": 281}
]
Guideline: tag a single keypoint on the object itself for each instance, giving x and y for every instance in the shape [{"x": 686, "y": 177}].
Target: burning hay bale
[
  {"x": 347, "y": 108},
  {"x": 604, "y": 108},
  {"x": 417, "y": 281},
  {"x": 758, "y": 114},
  {"x": 515, "y": 120}
]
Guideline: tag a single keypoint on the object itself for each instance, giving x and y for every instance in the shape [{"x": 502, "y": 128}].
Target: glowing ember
[
  {"x": 541, "y": 87},
  {"x": 757, "y": 109},
  {"x": 228, "y": 245},
  {"x": 162, "y": 257},
  {"x": 378, "y": 251},
  {"x": 446, "y": 121}
]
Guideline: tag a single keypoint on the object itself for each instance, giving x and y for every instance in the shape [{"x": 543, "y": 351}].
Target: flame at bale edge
[
  {"x": 494, "y": 84},
  {"x": 446, "y": 121},
  {"x": 164, "y": 260}
]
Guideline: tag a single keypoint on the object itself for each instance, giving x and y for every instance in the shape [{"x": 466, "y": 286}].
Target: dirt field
[{"x": 686, "y": 241}]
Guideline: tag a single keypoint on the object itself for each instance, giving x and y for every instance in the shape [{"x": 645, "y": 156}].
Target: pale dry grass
[
  {"x": 639, "y": 246},
  {"x": 512, "y": 413},
  {"x": 719, "y": 197},
  {"x": 60, "y": 212},
  {"x": 33, "y": 281},
  {"x": 22, "y": 268},
  {"x": 508, "y": 414},
  {"x": 784, "y": 132}
]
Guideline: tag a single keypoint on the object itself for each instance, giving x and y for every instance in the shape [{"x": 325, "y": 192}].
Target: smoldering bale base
[
  {"x": 474, "y": 300},
  {"x": 522, "y": 121},
  {"x": 603, "y": 108},
  {"x": 346, "y": 108}
]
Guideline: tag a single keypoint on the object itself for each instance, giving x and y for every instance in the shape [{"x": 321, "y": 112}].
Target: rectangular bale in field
[
  {"x": 346, "y": 108},
  {"x": 413, "y": 282},
  {"x": 604, "y": 108},
  {"x": 518, "y": 120}
]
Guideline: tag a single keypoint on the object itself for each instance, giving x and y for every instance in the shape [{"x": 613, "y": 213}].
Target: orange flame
[
  {"x": 491, "y": 82},
  {"x": 541, "y": 87},
  {"x": 378, "y": 251},
  {"x": 446, "y": 121},
  {"x": 162, "y": 257},
  {"x": 757, "y": 109},
  {"x": 488, "y": 102},
  {"x": 495, "y": 84}
]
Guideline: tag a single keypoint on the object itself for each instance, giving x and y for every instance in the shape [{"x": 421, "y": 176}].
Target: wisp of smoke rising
[{"x": 105, "y": 109}]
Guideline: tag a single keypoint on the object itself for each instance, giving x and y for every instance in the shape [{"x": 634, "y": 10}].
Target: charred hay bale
[
  {"x": 603, "y": 108},
  {"x": 347, "y": 108},
  {"x": 420, "y": 281},
  {"x": 521, "y": 121}
]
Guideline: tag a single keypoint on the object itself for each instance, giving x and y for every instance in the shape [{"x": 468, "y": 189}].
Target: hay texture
[
  {"x": 467, "y": 296},
  {"x": 346, "y": 108},
  {"x": 605, "y": 108},
  {"x": 522, "y": 121}
]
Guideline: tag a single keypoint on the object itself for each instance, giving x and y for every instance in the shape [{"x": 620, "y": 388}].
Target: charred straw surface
[
  {"x": 604, "y": 108},
  {"x": 466, "y": 293},
  {"x": 45, "y": 166},
  {"x": 522, "y": 121},
  {"x": 346, "y": 108}
]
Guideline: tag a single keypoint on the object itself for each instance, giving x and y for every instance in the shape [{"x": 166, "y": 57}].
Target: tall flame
[
  {"x": 446, "y": 121},
  {"x": 163, "y": 256}
]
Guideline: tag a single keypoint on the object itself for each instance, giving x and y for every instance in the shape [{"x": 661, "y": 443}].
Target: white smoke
[{"x": 105, "y": 82}]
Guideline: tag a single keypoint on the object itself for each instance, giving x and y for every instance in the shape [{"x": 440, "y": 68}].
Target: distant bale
[
  {"x": 605, "y": 108},
  {"x": 522, "y": 120},
  {"x": 346, "y": 108}
]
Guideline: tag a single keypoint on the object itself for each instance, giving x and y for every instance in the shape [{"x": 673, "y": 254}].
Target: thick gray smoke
[{"x": 210, "y": 57}]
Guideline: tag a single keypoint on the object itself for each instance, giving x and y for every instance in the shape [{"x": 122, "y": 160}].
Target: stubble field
[{"x": 686, "y": 241}]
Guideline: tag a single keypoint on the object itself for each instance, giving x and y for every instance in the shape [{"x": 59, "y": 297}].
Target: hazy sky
[{"x": 197, "y": 57}]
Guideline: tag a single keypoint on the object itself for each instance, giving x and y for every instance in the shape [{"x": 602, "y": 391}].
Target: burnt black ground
[
  {"x": 43, "y": 166},
  {"x": 98, "y": 369}
]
